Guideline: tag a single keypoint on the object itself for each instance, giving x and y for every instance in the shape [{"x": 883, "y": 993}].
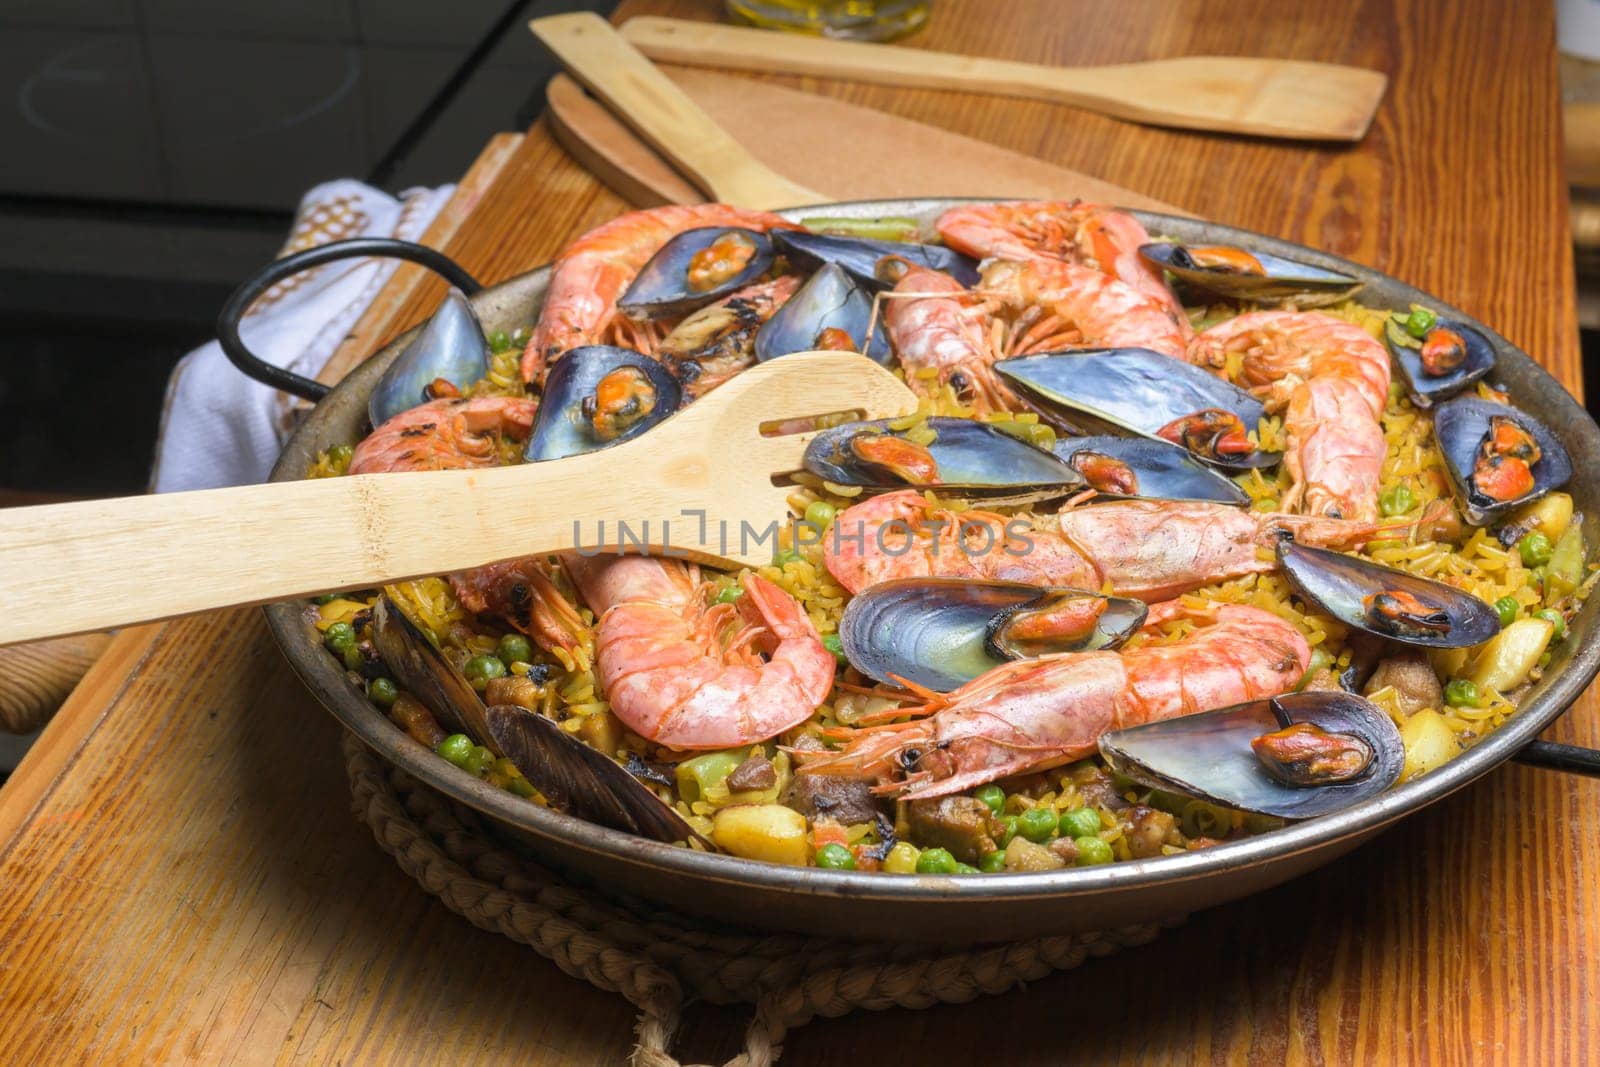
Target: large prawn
[
  {"x": 1330, "y": 378},
  {"x": 1053, "y": 305},
  {"x": 580, "y": 305},
  {"x": 1030, "y": 715},
  {"x": 445, "y": 434},
  {"x": 1070, "y": 231},
  {"x": 687, "y": 674},
  {"x": 1151, "y": 549},
  {"x": 940, "y": 331}
]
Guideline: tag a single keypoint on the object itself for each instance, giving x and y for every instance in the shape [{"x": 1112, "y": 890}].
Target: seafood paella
[{"x": 1182, "y": 543}]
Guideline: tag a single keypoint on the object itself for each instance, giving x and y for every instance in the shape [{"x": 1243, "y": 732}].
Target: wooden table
[{"x": 181, "y": 879}]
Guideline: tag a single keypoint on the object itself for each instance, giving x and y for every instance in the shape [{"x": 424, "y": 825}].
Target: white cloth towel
[{"x": 220, "y": 428}]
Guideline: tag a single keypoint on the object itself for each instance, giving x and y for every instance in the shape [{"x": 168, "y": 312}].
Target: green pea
[
  {"x": 993, "y": 796},
  {"x": 1037, "y": 824},
  {"x": 835, "y": 644},
  {"x": 936, "y": 861},
  {"x": 353, "y": 658},
  {"x": 1556, "y": 619},
  {"x": 480, "y": 669},
  {"x": 498, "y": 341},
  {"x": 1092, "y": 851},
  {"x": 993, "y": 861},
  {"x": 786, "y": 557},
  {"x": 1009, "y": 827},
  {"x": 325, "y": 598},
  {"x": 514, "y": 648},
  {"x": 383, "y": 692},
  {"x": 456, "y": 748},
  {"x": 340, "y": 455},
  {"x": 1507, "y": 607},
  {"x": 820, "y": 514},
  {"x": 338, "y": 637},
  {"x": 730, "y": 594},
  {"x": 1079, "y": 822},
  {"x": 1534, "y": 549},
  {"x": 966, "y": 868},
  {"x": 835, "y": 857},
  {"x": 479, "y": 761},
  {"x": 520, "y": 337},
  {"x": 1461, "y": 693},
  {"x": 1396, "y": 501},
  {"x": 1419, "y": 322}
]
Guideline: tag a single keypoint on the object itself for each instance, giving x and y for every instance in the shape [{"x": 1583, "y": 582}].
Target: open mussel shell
[
  {"x": 1476, "y": 354},
  {"x": 1158, "y": 470},
  {"x": 940, "y": 633},
  {"x": 1250, "y": 274},
  {"x": 1209, "y": 755},
  {"x": 828, "y": 301},
  {"x": 597, "y": 396},
  {"x": 573, "y": 777},
  {"x": 1386, "y": 602},
  {"x": 862, "y": 257},
  {"x": 451, "y": 346},
  {"x": 581, "y": 781},
  {"x": 1459, "y": 427},
  {"x": 1134, "y": 390},
  {"x": 966, "y": 456},
  {"x": 668, "y": 285}
]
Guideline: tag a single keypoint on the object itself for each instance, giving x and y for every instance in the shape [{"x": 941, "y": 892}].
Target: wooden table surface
[{"x": 182, "y": 879}]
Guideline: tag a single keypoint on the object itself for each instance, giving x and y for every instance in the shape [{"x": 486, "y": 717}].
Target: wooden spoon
[
  {"x": 700, "y": 486},
  {"x": 1233, "y": 94},
  {"x": 660, "y": 112}
]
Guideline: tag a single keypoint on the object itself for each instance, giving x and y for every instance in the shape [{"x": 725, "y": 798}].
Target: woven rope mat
[{"x": 661, "y": 961}]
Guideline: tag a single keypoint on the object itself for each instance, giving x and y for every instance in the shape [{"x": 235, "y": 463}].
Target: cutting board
[{"x": 816, "y": 141}]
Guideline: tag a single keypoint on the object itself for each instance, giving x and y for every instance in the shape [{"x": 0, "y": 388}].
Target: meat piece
[
  {"x": 511, "y": 689},
  {"x": 1414, "y": 681},
  {"x": 843, "y": 799},
  {"x": 1024, "y": 855},
  {"x": 1097, "y": 789},
  {"x": 959, "y": 824},
  {"x": 1324, "y": 681},
  {"x": 755, "y": 773},
  {"x": 1149, "y": 829},
  {"x": 1065, "y": 849}
]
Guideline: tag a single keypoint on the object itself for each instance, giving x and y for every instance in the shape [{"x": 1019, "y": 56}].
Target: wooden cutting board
[{"x": 818, "y": 142}]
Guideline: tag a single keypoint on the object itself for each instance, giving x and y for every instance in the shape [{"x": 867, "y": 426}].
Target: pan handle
[
  {"x": 1553, "y": 756},
  {"x": 233, "y": 311}
]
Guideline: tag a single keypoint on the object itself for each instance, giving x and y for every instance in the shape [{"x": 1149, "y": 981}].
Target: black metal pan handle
[
  {"x": 233, "y": 311},
  {"x": 1553, "y": 756}
]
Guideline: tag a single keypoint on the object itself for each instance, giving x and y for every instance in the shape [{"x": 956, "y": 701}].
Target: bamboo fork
[
  {"x": 1232, "y": 94},
  {"x": 700, "y": 485}
]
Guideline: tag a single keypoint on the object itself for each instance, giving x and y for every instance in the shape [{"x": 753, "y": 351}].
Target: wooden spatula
[
  {"x": 661, "y": 113},
  {"x": 701, "y": 485},
  {"x": 1233, "y": 94}
]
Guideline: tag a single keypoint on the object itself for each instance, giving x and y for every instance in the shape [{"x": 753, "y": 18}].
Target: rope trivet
[{"x": 661, "y": 961}]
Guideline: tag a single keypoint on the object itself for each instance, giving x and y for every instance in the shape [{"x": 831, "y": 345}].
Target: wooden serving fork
[{"x": 703, "y": 485}]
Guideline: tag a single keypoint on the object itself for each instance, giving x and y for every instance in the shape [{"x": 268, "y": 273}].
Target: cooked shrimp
[
  {"x": 676, "y": 675},
  {"x": 719, "y": 341},
  {"x": 1030, "y": 715},
  {"x": 1331, "y": 380},
  {"x": 943, "y": 339},
  {"x": 580, "y": 306},
  {"x": 445, "y": 434},
  {"x": 522, "y": 592},
  {"x": 1151, "y": 549},
  {"x": 1052, "y": 306},
  {"x": 1070, "y": 231}
]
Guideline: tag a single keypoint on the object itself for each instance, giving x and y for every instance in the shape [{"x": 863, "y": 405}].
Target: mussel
[
  {"x": 1248, "y": 274},
  {"x": 1386, "y": 602},
  {"x": 1140, "y": 467},
  {"x": 966, "y": 457},
  {"x": 1134, "y": 389},
  {"x": 573, "y": 777},
  {"x": 695, "y": 268},
  {"x": 1296, "y": 756},
  {"x": 942, "y": 632},
  {"x": 448, "y": 355},
  {"x": 1447, "y": 358},
  {"x": 596, "y": 396},
  {"x": 828, "y": 312},
  {"x": 1498, "y": 457},
  {"x": 863, "y": 258}
]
